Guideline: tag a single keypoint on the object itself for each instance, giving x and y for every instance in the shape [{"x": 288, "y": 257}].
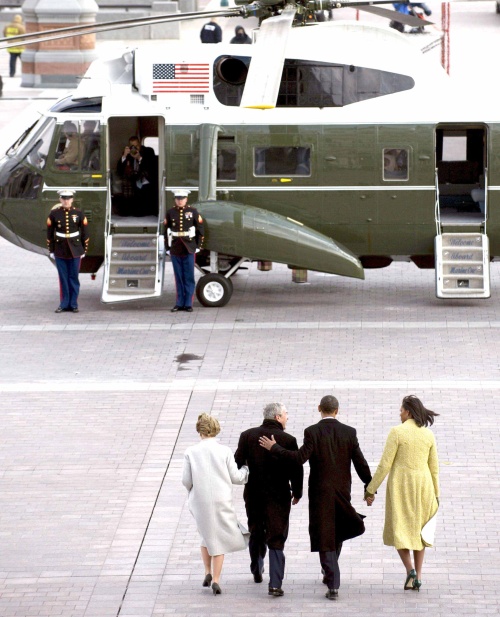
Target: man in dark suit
[
  {"x": 138, "y": 171},
  {"x": 330, "y": 447},
  {"x": 273, "y": 484}
]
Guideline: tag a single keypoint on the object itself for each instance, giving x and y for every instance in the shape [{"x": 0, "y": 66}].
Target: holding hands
[{"x": 369, "y": 498}]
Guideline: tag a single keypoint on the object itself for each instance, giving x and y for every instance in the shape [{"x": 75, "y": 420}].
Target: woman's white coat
[{"x": 208, "y": 474}]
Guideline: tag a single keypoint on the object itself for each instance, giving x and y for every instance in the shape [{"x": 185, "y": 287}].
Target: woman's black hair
[{"x": 421, "y": 415}]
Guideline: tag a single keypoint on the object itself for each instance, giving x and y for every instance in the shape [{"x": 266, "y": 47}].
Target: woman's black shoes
[
  {"x": 410, "y": 580},
  {"x": 207, "y": 580},
  {"x": 417, "y": 584},
  {"x": 216, "y": 589}
]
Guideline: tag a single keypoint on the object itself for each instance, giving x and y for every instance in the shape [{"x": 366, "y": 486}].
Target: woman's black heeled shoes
[
  {"x": 207, "y": 580},
  {"x": 216, "y": 589},
  {"x": 410, "y": 580},
  {"x": 417, "y": 584}
]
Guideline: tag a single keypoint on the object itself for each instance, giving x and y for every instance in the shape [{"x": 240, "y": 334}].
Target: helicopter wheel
[{"x": 214, "y": 290}]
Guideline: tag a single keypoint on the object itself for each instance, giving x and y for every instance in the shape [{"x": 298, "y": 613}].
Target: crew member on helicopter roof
[
  {"x": 211, "y": 32},
  {"x": 241, "y": 37},
  {"x": 67, "y": 241},
  {"x": 184, "y": 231}
]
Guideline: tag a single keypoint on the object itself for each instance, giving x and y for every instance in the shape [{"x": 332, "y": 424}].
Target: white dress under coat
[{"x": 208, "y": 474}]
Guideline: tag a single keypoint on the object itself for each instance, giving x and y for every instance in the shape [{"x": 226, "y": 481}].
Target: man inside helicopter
[
  {"x": 71, "y": 147},
  {"x": 136, "y": 169}
]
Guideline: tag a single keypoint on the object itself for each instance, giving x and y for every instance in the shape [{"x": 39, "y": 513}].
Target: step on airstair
[
  {"x": 134, "y": 267},
  {"x": 462, "y": 265}
]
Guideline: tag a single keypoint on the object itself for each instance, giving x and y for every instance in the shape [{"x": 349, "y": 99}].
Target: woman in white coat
[{"x": 209, "y": 473}]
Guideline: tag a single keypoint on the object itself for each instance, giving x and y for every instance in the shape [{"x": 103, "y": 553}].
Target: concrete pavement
[{"x": 96, "y": 410}]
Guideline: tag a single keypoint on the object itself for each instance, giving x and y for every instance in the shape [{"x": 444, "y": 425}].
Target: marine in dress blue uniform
[
  {"x": 67, "y": 241},
  {"x": 184, "y": 231}
]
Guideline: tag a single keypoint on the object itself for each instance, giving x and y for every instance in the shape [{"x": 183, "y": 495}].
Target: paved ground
[{"x": 96, "y": 410}]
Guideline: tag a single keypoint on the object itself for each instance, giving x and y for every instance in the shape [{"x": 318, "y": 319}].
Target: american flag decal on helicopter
[{"x": 180, "y": 78}]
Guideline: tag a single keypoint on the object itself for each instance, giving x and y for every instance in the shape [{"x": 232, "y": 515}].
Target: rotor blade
[
  {"x": 408, "y": 20},
  {"x": 266, "y": 67},
  {"x": 62, "y": 33}
]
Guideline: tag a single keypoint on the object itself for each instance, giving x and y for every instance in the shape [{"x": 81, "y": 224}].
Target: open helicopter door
[
  {"x": 134, "y": 255},
  {"x": 462, "y": 255}
]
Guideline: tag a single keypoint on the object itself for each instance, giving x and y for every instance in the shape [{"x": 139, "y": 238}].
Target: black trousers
[
  {"x": 257, "y": 547},
  {"x": 330, "y": 564}
]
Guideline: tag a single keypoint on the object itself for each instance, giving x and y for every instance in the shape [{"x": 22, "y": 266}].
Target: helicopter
[{"x": 333, "y": 147}]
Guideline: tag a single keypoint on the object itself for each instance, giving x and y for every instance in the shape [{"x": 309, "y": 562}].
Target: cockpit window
[
  {"x": 30, "y": 137},
  {"x": 79, "y": 146},
  {"x": 306, "y": 83},
  {"x": 20, "y": 139},
  {"x": 36, "y": 154},
  {"x": 18, "y": 181}
]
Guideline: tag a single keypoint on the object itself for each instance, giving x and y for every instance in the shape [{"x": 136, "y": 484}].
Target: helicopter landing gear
[{"x": 215, "y": 289}]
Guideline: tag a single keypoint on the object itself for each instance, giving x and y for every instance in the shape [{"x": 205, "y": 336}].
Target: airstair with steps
[
  {"x": 462, "y": 265},
  {"x": 134, "y": 266}
]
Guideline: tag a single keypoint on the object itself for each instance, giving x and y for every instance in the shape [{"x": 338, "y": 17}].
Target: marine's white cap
[
  {"x": 180, "y": 193},
  {"x": 66, "y": 193}
]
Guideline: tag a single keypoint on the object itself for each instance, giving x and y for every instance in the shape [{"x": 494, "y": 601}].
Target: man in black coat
[
  {"x": 138, "y": 171},
  {"x": 273, "y": 484},
  {"x": 330, "y": 447}
]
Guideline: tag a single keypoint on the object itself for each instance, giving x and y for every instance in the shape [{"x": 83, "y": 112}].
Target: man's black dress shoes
[
  {"x": 276, "y": 592},
  {"x": 332, "y": 594},
  {"x": 176, "y": 308}
]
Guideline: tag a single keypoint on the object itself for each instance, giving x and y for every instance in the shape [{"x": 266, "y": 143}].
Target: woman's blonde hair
[{"x": 208, "y": 426}]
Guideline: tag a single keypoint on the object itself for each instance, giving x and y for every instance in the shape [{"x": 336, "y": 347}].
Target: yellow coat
[{"x": 410, "y": 458}]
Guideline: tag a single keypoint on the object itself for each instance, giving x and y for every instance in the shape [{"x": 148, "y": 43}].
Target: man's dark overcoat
[
  {"x": 271, "y": 481},
  {"x": 330, "y": 447}
]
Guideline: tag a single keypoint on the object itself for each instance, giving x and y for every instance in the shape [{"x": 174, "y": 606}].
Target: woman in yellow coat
[{"x": 412, "y": 496}]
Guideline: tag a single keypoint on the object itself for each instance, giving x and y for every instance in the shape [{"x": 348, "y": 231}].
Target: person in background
[
  {"x": 15, "y": 28},
  {"x": 412, "y": 496},
  {"x": 273, "y": 485},
  {"x": 71, "y": 152},
  {"x": 208, "y": 474},
  {"x": 211, "y": 32},
  {"x": 241, "y": 37}
]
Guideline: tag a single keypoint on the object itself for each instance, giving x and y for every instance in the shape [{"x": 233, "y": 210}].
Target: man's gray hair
[{"x": 271, "y": 410}]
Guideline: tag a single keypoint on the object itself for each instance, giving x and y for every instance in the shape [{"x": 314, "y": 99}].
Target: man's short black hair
[{"x": 328, "y": 404}]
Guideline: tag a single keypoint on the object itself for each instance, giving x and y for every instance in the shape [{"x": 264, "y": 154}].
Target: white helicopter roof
[{"x": 344, "y": 43}]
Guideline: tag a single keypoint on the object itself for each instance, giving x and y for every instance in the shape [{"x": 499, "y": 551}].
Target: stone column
[{"x": 62, "y": 62}]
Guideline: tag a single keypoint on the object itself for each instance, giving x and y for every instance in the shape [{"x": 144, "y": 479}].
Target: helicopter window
[
  {"x": 37, "y": 153},
  {"x": 454, "y": 146},
  {"x": 282, "y": 161},
  {"x": 79, "y": 146},
  {"x": 24, "y": 136},
  {"x": 316, "y": 84},
  {"x": 226, "y": 163},
  {"x": 18, "y": 181},
  {"x": 68, "y": 105},
  {"x": 395, "y": 164},
  {"x": 36, "y": 136},
  {"x": 152, "y": 142}
]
